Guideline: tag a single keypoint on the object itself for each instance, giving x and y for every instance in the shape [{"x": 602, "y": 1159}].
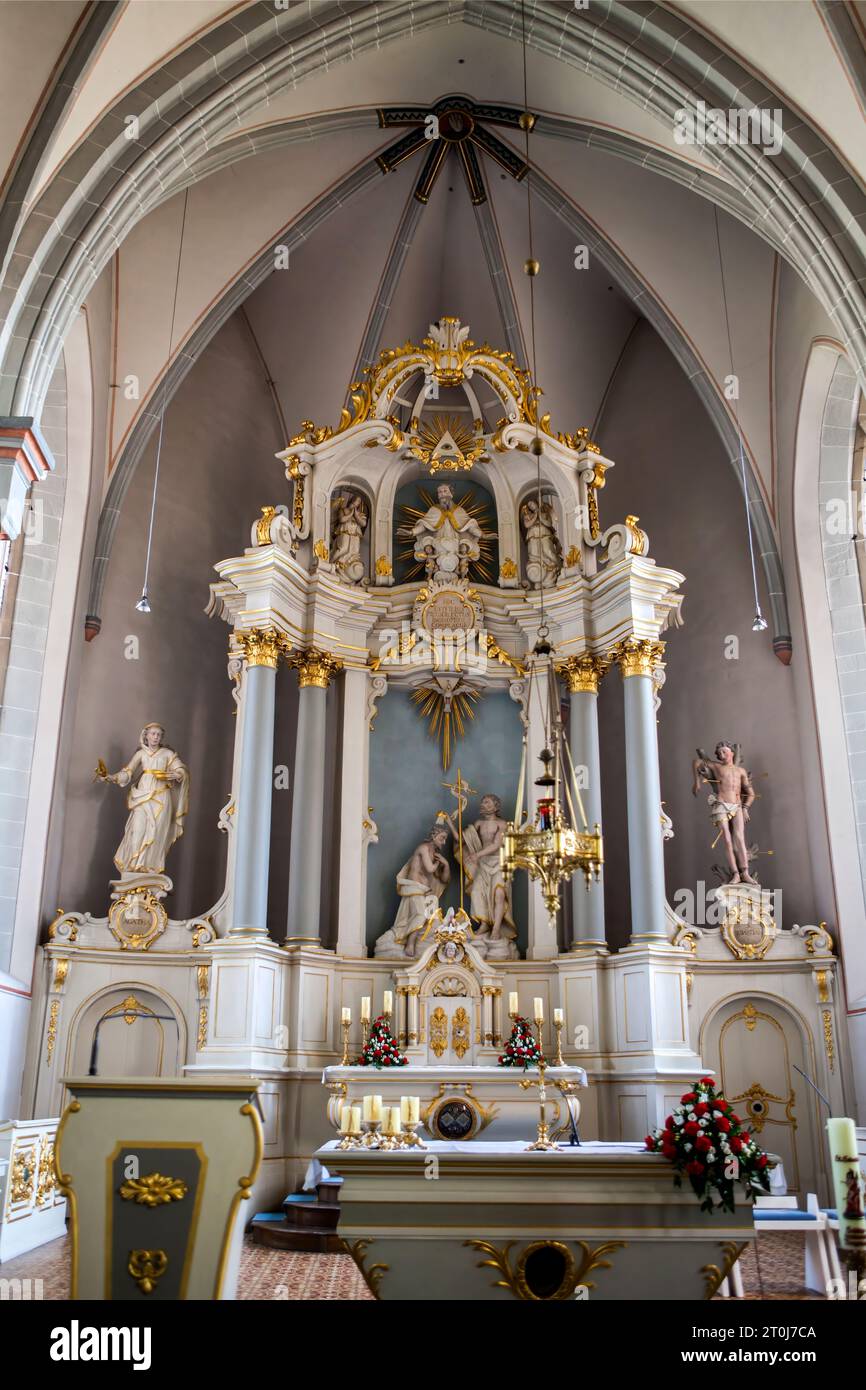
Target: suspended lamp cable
[
  {"x": 143, "y": 605},
  {"x": 759, "y": 622}
]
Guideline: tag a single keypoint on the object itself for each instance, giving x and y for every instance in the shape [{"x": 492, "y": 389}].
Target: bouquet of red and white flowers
[
  {"x": 521, "y": 1050},
  {"x": 704, "y": 1139},
  {"x": 381, "y": 1049}
]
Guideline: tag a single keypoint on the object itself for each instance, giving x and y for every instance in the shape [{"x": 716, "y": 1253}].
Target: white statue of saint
[
  {"x": 158, "y": 800},
  {"x": 447, "y": 538},
  {"x": 350, "y": 523},
  {"x": 420, "y": 884},
  {"x": 543, "y": 550},
  {"x": 489, "y": 894}
]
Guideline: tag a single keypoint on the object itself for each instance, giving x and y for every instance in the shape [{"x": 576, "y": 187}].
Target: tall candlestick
[
  {"x": 365, "y": 1009},
  {"x": 346, "y": 1016},
  {"x": 538, "y": 1010}
]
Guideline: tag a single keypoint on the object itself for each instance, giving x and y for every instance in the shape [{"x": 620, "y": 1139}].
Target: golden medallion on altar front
[
  {"x": 439, "y": 1031},
  {"x": 136, "y": 919},
  {"x": 448, "y": 611},
  {"x": 747, "y": 930}
]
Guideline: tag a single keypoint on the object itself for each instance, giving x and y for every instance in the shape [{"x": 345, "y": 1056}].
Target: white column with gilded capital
[
  {"x": 261, "y": 649},
  {"x": 357, "y": 827},
  {"x": 315, "y": 669},
  {"x": 582, "y": 674},
  {"x": 636, "y": 659}
]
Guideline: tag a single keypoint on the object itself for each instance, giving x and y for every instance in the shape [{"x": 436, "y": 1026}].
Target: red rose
[
  {"x": 724, "y": 1125},
  {"x": 701, "y": 1108},
  {"x": 694, "y": 1168},
  {"x": 706, "y": 1081},
  {"x": 721, "y": 1104},
  {"x": 650, "y": 1142},
  {"x": 736, "y": 1145},
  {"x": 762, "y": 1161},
  {"x": 735, "y": 1119},
  {"x": 689, "y": 1095},
  {"x": 669, "y": 1122},
  {"x": 692, "y": 1127},
  {"x": 745, "y": 1136},
  {"x": 702, "y": 1144}
]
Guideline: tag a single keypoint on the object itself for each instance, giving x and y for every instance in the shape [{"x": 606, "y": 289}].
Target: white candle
[
  {"x": 848, "y": 1183},
  {"x": 388, "y": 1002},
  {"x": 347, "y": 1015},
  {"x": 414, "y": 1109},
  {"x": 375, "y": 1107},
  {"x": 356, "y": 1119},
  {"x": 538, "y": 1010},
  {"x": 367, "y": 1104},
  {"x": 512, "y": 1003},
  {"x": 345, "y": 1118},
  {"x": 558, "y": 1016},
  {"x": 404, "y": 1110},
  {"x": 365, "y": 1009},
  {"x": 395, "y": 1119},
  {"x": 386, "y": 1120}
]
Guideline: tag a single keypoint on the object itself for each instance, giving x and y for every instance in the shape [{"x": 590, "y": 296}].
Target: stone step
[{"x": 311, "y": 1240}]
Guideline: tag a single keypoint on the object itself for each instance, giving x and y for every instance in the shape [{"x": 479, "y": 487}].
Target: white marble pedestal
[{"x": 485, "y": 1221}]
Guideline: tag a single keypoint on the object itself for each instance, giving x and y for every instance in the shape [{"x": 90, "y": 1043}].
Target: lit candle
[
  {"x": 848, "y": 1184},
  {"x": 365, "y": 1009},
  {"x": 347, "y": 1015},
  {"x": 404, "y": 1110},
  {"x": 345, "y": 1118},
  {"x": 414, "y": 1109},
  {"x": 375, "y": 1107},
  {"x": 558, "y": 1016},
  {"x": 388, "y": 1002},
  {"x": 356, "y": 1120},
  {"x": 538, "y": 1010},
  {"x": 512, "y": 1003}
]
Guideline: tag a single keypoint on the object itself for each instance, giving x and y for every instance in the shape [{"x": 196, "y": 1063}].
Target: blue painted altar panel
[{"x": 406, "y": 791}]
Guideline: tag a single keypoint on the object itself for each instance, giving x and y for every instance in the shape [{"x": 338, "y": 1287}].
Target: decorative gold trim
[
  {"x": 460, "y": 1033},
  {"x": 583, "y": 673},
  {"x": 64, "y": 1187},
  {"x": 714, "y": 1276},
  {"x": 508, "y": 569},
  {"x": 320, "y": 550},
  {"x": 73, "y": 930},
  {"x": 243, "y": 1193},
  {"x": 152, "y": 907},
  {"x": 51, "y": 1035},
  {"x": 201, "y": 1035},
  {"x": 438, "y": 1031},
  {"x": 823, "y": 990},
  {"x": 314, "y": 667},
  {"x": 757, "y": 1093},
  {"x": 503, "y": 657},
  {"x": 47, "y": 1182},
  {"x": 749, "y": 950},
  {"x": 153, "y": 1190},
  {"x": 123, "y": 1146},
  {"x": 514, "y": 1278},
  {"x": 261, "y": 646},
  {"x": 639, "y": 539},
  {"x": 829, "y": 1046},
  {"x": 373, "y": 1276},
  {"x": 384, "y": 567},
  {"x": 263, "y": 525},
  {"x": 637, "y": 656},
  {"x": 202, "y": 974},
  {"x": 147, "y": 1267},
  {"x": 61, "y": 970}
]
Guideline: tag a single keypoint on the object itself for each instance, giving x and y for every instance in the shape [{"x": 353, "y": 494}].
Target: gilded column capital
[
  {"x": 260, "y": 646},
  {"x": 584, "y": 672},
  {"x": 314, "y": 667},
  {"x": 638, "y": 656}
]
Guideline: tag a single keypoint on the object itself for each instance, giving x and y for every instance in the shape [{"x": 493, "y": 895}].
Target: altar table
[{"x": 488, "y": 1220}]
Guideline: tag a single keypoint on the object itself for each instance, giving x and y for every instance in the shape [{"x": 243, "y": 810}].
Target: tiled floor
[{"x": 772, "y": 1269}]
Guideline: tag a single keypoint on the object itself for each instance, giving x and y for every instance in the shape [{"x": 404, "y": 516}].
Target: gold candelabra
[
  {"x": 558, "y": 1059},
  {"x": 543, "y": 1143},
  {"x": 347, "y": 1023}
]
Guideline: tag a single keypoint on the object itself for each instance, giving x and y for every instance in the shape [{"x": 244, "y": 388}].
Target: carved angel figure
[
  {"x": 543, "y": 550},
  {"x": 350, "y": 523}
]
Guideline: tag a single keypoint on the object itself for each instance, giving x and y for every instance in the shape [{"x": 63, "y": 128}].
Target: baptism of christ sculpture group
[{"x": 427, "y": 872}]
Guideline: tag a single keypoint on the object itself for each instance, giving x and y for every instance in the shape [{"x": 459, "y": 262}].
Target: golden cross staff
[{"x": 462, "y": 791}]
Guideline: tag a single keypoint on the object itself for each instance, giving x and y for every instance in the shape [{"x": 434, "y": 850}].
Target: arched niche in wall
[
  {"x": 137, "y": 1031},
  {"x": 346, "y": 490},
  {"x": 416, "y": 493},
  {"x": 550, "y": 493}
]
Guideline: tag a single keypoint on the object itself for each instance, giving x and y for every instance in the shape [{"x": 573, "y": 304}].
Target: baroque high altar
[{"x": 403, "y": 580}]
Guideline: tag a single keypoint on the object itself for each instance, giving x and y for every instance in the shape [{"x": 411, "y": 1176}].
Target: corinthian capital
[
  {"x": 638, "y": 656},
  {"x": 584, "y": 672},
  {"x": 315, "y": 667},
  {"x": 261, "y": 646}
]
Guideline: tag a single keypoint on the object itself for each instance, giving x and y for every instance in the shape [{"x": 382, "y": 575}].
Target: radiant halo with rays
[
  {"x": 447, "y": 715},
  {"x": 481, "y": 570}
]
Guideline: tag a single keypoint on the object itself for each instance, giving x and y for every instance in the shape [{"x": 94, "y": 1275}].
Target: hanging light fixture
[
  {"x": 143, "y": 605},
  {"x": 550, "y": 844}
]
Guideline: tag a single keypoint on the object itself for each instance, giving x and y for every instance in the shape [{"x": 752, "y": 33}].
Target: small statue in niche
[
  {"x": 489, "y": 894},
  {"x": 158, "y": 801},
  {"x": 420, "y": 884},
  {"x": 543, "y": 550},
  {"x": 447, "y": 538},
  {"x": 350, "y": 523},
  {"x": 729, "y": 800}
]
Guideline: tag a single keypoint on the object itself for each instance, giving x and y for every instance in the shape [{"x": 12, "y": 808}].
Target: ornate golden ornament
[
  {"x": 573, "y": 557},
  {"x": 136, "y": 918},
  {"x": 757, "y": 1100},
  {"x": 202, "y": 972},
  {"x": 749, "y": 1016},
  {"x": 583, "y": 673},
  {"x": 205, "y": 926},
  {"x": 372, "y": 1276},
  {"x": 714, "y": 1277},
  {"x": 154, "y": 1190},
  {"x": 447, "y": 714},
  {"x": 314, "y": 667},
  {"x": 747, "y": 931},
  {"x": 823, "y": 988},
  {"x": 201, "y": 1036},
  {"x": 147, "y": 1267},
  {"x": 260, "y": 646},
  {"x": 817, "y": 936},
  {"x": 46, "y": 1184},
  {"x": 639, "y": 539},
  {"x": 459, "y": 1092},
  {"x": 445, "y": 444},
  {"x": 51, "y": 1035},
  {"x": 460, "y": 1033},
  {"x": 690, "y": 980},
  {"x": 637, "y": 656},
  {"x": 438, "y": 1031},
  {"x": 829, "y": 1046},
  {"x": 73, "y": 930},
  {"x": 263, "y": 525},
  {"x": 22, "y": 1172},
  {"x": 61, "y": 970},
  {"x": 508, "y": 569},
  {"x": 503, "y": 657},
  {"x": 384, "y": 567},
  {"x": 529, "y": 1284},
  {"x": 320, "y": 550},
  {"x": 593, "y": 487}
]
